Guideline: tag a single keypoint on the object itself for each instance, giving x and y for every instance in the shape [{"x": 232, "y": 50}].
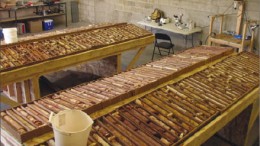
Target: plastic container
[
  {"x": 1, "y": 34},
  {"x": 10, "y": 35},
  {"x": 238, "y": 37},
  {"x": 71, "y": 127},
  {"x": 48, "y": 24}
]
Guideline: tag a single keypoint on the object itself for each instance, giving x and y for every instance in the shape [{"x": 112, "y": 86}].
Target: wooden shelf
[
  {"x": 30, "y": 17},
  {"x": 7, "y": 20},
  {"x": 17, "y": 18}
]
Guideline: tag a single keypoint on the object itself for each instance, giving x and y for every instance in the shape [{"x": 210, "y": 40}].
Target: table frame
[
  {"x": 172, "y": 28},
  {"x": 200, "y": 136},
  {"x": 36, "y": 70}
]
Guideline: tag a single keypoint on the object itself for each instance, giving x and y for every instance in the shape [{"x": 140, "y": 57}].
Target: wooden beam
[
  {"x": 119, "y": 63},
  {"x": 253, "y": 117},
  {"x": 18, "y": 92},
  {"x": 225, "y": 42},
  {"x": 26, "y": 91},
  {"x": 10, "y": 90},
  {"x": 221, "y": 24},
  {"x": 212, "y": 19},
  {"x": 240, "y": 14},
  {"x": 252, "y": 41},
  {"x": 36, "y": 87},
  {"x": 243, "y": 37},
  {"x": 209, "y": 130},
  {"x": 8, "y": 101},
  {"x": 136, "y": 57}
]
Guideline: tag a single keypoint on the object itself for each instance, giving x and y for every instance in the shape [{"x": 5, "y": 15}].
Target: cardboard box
[{"x": 35, "y": 26}]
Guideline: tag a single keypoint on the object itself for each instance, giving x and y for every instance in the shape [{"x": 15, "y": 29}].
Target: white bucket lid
[
  {"x": 48, "y": 20},
  {"x": 8, "y": 30}
]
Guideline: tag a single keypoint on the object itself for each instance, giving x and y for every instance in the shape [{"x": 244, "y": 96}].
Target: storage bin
[{"x": 48, "y": 24}]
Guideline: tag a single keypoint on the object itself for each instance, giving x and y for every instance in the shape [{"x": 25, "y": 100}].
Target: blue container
[
  {"x": 1, "y": 34},
  {"x": 238, "y": 37},
  {"x": 48, "y": 24}
]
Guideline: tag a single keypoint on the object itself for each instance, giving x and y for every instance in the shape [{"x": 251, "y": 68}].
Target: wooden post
[
  {"x": 243, "y": 37},
  {"x": 221, "y": 24},
  {"x": 119, "y": 63},
  {"x": 252, "y": 41},
  {"x": 254, "y": 114},
  {"x": 36, "y": 87},
  {"x": 26, "y": 91},
  {"x": 10, "y": 88},
  {"x": 138, "y": 54},
  {"x": 212, "y": 19},
  {"x": 18, "y": 92},
  {"x": 240, "y": 16}
]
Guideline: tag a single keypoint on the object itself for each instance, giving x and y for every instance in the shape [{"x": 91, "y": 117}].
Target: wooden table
[
  {"x": 199, "y": 137},
  {"x": 34, "y": 71},
  {"x": 172, "y": 28}
]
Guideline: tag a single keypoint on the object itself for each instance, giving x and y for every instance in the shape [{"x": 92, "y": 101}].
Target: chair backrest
[{"x": 162, "y": 36}]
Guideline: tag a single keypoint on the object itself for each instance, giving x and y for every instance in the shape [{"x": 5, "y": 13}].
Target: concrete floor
[{"x": 146, "y": 57}]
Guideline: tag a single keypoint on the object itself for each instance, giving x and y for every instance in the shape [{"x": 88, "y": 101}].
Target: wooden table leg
[
  {"x": 26, "y": 91},
  {"x": 137, "y": 55},
  {"x": 209, "y": 43},
  {"x": 36, "y": 87},
  {"x": 119, "y": 63},
  {"x": 253, "y": 116}
]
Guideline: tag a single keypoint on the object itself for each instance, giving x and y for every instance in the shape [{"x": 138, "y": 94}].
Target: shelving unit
[{"x": 37, "y": 7}]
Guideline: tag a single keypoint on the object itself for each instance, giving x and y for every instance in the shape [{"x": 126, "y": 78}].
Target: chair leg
[
  {"x": 153, "y": 52},
  {"x": 169, "y": 51},
  {"x": 159, "y": 51},
  {"x": 172, "y": 50}
]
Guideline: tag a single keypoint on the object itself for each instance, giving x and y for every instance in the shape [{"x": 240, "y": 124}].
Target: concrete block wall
[{"x": 132, "y": 11}]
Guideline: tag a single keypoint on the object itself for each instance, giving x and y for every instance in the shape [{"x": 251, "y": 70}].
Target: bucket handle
[
  {"x": 50, "y": 119},
  {"x": 50, "y": 125}
]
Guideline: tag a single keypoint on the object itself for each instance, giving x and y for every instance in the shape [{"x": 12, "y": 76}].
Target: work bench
[
  {"x": 29, "y": 73},
  {"x": 248, "y": 103}
]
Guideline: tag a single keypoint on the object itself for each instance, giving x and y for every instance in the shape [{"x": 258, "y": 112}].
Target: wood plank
[
  {"x": 243, "y": 37},
  {"x": 10, "y": 88},
  {"x": 252, "y": 41},
  {"x": 209, "y": 130},
  {"x": 36, "y": 87},
  {"x": 8, "y": 101},
  {"x": 240, "y": 16},
  {"x": 119, "y": 63},
  {"x": 212, "y": 19},
  {"x": 21, "y": 74},
  {"x": 221, "y": 24},
  {"x": 18, "y": 92},
  {"x": 253, "y": 117},
  {"x": 4, "y": 88},
  {"x": 26, "y": 91},
  {"x": 136, "y": 57}
]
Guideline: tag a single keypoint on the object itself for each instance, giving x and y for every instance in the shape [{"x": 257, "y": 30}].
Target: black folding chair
[{"x": 163, "y": 41}]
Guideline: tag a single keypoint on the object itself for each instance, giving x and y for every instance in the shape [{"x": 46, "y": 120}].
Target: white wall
[{"x": 96, "y": 11}]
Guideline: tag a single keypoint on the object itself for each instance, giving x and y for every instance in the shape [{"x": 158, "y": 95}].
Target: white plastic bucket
[
  {"x": 71, "y": 127},
  {"x": 10, "y": 35}
]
